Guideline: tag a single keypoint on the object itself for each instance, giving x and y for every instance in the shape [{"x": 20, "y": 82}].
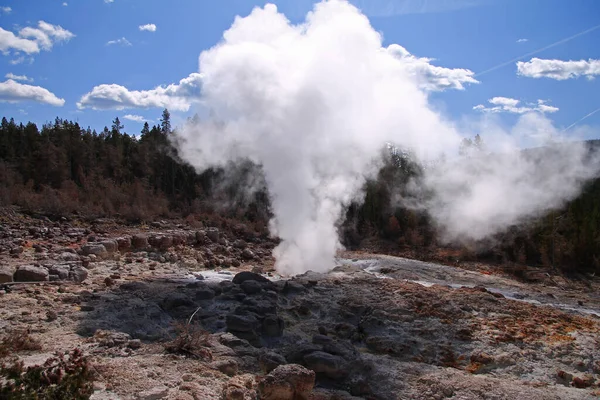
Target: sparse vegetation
[
  {"x": 64, "y": 376},
  {"x": 191, "y": 341}
]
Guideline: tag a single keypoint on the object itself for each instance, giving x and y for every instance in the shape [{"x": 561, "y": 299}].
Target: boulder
[
  {"x": 248, "y": 276},
  {"x": 30, "y": 273},
  {"x": 78, "y": 274},
  {"x": 287, "y": 382},
  {"x": 62, "y": 271},
  {"x": 94, "y": 249},
  {"x": 247, "y": 254},
  {"x": 139, "y": 242},
  {"x": 6, "y": 274},
  {"x": 173, "y": 300}
]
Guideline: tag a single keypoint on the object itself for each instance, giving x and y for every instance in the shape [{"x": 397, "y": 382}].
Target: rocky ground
[{"x": 375, "y": 327}]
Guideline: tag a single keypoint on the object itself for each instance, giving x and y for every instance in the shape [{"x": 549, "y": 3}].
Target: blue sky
[{"x": 70, "y": 55}]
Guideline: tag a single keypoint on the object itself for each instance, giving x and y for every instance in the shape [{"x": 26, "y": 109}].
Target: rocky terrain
[{"x": 185, "y": 311}]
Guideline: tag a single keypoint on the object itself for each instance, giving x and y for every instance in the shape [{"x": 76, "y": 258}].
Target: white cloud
[
  {"x": 136, "y": 118},
  {"x": 522, "y": 40},
  {"x": 65, "y": 4},
  {"x": 32, "y": 40},
  {"x": 109, "y": 1},
  {"x": 12, "y": 76},
  {"x": 177, "y": 97},
  {"x": 431, "y": 77},
  {"x": 5, "y": 10},
  {"x": 558, "y": 69},
  {"x": 13, "y": 92},
  {"x": 148, "y": 27},
  {"x": 17, "y": 60},
  {"x": 123, "y": 42},
  {"x": 508, "y": 105}
]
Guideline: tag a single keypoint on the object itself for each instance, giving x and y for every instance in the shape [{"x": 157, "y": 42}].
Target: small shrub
[
  {"x": 60, "y": 377},
  {"x": 191, "y": 341},
  {"x": 18, "y": 341}
]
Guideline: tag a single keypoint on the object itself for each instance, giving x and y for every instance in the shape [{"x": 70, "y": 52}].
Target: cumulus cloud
[
  {"x": 12, "y": 76},
  {"x": 431, "y": 77},
  {"x": 109, "y": 1},
  {"x": 522, "y": 40},
  {"x": 5, "y": 10},
  {"x": 121, "y": 42},
  {"x": 178, "y": 97},
  {"x": 314, "y": 104},
  {"x": 12, "y": 91},
  {"x": 135, "y": 118},
  {"x": 558, "y": 69},
  {"x": 508, "y": 105},
  {"x": 65, "y": 4},
  {"x": 148, "y": 27},
  {"x": 32, "y": 40}
]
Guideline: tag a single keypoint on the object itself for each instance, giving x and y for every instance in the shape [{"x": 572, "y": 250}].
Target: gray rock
[
  {"x": 94, "y": 249},
  {"x": 247, "y": 254},
  {"x": 61, "y": 270},
  {"x": 6, "y": 274},
  {"x": 331, "y": 366},
  {"x": 248, "y": 276},
  {"x": 78, "y": 274},
  {"x": 30, "y": 273},
  {"x": 139, "y": 242}
]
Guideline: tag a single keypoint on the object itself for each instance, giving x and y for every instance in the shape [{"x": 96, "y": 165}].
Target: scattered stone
[
  {"x": 287, "y": 382},
  {"x": 134, "y": 344},
  {"x": 30, "y": 273},
  {"x": 51, "y": 315}
]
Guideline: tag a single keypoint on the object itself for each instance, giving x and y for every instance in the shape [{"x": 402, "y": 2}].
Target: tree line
[{"x": 64, "y": 169}]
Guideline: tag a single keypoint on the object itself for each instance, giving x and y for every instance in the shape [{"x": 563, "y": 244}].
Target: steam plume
[{"x": 314, "y": 104}]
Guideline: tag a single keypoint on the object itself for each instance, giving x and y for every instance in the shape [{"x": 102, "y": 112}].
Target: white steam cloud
[{"x": 314, "y": 104}]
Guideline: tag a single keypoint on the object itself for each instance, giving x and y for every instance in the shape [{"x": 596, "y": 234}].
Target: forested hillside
[{"x": 64, "y": 169}]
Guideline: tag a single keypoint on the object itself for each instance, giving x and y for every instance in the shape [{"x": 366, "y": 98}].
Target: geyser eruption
[{"x": 314, "y": 104}]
